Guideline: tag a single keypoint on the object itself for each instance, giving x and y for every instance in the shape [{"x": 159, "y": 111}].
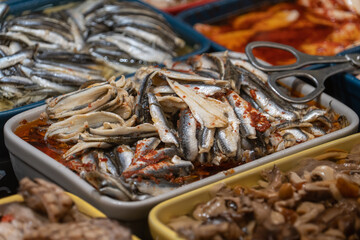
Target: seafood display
[
  {"x": 318, "y": 199},
  {"x": 49, "y": 213},
  {"x": 319, "y": 27},
  {"x": 48, "y": 53},
  {"x": 137, "y": 138}
]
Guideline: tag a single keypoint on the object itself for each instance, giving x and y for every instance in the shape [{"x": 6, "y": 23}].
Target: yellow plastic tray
[
  {"x": 82, "y": 205},
  {"x": 184, "y": 204}
]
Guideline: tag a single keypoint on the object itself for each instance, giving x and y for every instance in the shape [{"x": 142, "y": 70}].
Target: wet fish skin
[
  {"x": 11, "y": 60},
  {"x": 206, "y": 139},
  {"x": 228, "y": 138},
  {"x": 161, "y": 123},
  {"x": 142, "y": 109},
  {"x": 187, "y": 135},
  {"x": 243, "y": 111},
  {"x": 124, "y": 155}
]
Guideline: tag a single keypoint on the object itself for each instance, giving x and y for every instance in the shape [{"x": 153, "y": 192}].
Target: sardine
[
  {"x": 161, "y": 123},
  {"x": 206, "y": 139}
]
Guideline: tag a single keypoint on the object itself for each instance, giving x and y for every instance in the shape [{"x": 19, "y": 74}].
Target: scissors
[{"x": 347, "y": 62}]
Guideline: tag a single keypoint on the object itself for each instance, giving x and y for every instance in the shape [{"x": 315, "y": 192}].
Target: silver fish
[{"x": 187, "y": 135}]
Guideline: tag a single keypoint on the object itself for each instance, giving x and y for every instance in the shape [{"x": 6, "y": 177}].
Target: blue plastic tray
[
  {"x": 221, "y": 10},
  {"x": 192, "y": 38}
]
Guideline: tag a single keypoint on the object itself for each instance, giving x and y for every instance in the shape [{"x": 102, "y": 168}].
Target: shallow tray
[
  {"x": 29, "y": 161},
  {"x": 184, "y": 204}
]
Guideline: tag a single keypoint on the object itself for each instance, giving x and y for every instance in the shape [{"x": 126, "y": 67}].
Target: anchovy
[
  {"x": 81, "y": 73},
  {"x": 187, "y": 135},
  {"x": 292, "y": 124},
  {"x": 46, "y": 35},
  {"x": 299, "y": 135},
  {"x": 142, "y": 110},
  {"x": 152, "y": 157},
  {"x": 228, "y": 138},
  {"x": 13, "y": 59},
  {"x": 112, "y": 64},
  {"x": 313, "y": 115},
  {"x": 155, "y": 188},
  {"x": 4, "y": 8},
  {"x": 268, "y": 105},
  {"x": 124, "y": 155},
  {"x": 243, "y": 111},
  {"x": 135, "y": 48},
  {"x": 206, "y": 139},
  {"x": 145, "y": 146},
  {"x": 175, "y": 167},
  {"x": 207, "y": 111},
  {"x": 60, "y": 77},
  {"x": 48, "y": 84},
  {"x": 42, "y": 23},
  {"x": 18, "y": 80},
  {"x": 80, "y": 146},
  {"x": 176, "y": 75},
  {"x": 161, "y": 123},
  {"x": 105, "y": 164},
  {"x": 151, "y": 38}
]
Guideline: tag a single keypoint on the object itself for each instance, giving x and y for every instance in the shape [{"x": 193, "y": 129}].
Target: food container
[
  {"x": 345, "y": 86},
  {"x": 192, "y": 38},
  {"x": 184, "y": 204},
  {"x": 83, "y": 206},
  {"x": 29, "y": 161}
]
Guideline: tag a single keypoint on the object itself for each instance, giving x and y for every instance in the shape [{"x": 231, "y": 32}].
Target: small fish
[
  {"x": 161, "y": 123},
  {"x": 187, "y": 135}
]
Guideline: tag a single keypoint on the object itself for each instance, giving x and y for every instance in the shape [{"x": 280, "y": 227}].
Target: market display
[
  {"x": 316, "y": 200},
  {"x": 136, "y": 138},
  {"x": 320, "y": 27},
  {"x": 49, "y": 53},
  {"x": 49, "y": 213}
]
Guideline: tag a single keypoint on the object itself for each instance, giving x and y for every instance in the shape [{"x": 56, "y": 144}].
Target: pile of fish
[
  {"x": 53, "y": 52},
  {"x": 136, "y": 138}
]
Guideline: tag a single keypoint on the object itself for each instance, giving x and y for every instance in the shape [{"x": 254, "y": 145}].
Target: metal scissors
[{"x": 347, "y": 62}]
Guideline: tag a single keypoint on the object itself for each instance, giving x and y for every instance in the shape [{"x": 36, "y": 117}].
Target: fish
[
  {"x": 166, "y": 134},
  {"x": 187, "y": 135}
]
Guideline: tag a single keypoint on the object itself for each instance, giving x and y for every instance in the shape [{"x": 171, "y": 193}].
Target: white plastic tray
[{"x": 29, "y": 161}]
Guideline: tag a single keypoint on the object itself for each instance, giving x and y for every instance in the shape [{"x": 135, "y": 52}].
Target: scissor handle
[
  {"x": 318, "y": 77},
  {"x": 302, "y": 59}
]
